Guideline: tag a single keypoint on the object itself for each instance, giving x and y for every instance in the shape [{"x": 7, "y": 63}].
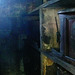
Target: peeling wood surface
[
  {"x": 49, "y": 38},
  {"x": 49, "y": 28}
]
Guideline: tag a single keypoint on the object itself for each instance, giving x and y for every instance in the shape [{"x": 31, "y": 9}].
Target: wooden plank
[
  {"x": 67, "y": 10},
  {"x": 40, "y": 17},
  {"x": 44, "y": 5},
  {"x": 62, "y": 63},
  {"x": 58, "y": 54}
]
